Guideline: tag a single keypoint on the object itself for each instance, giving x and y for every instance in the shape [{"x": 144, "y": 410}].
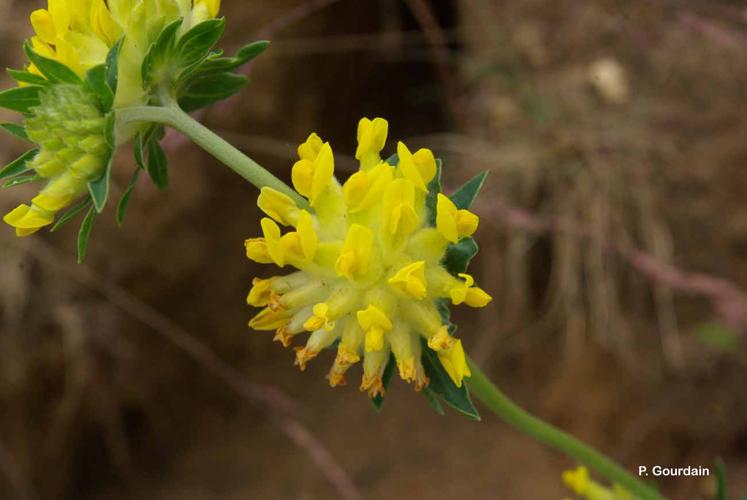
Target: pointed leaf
[
  {"x": 112, "y": 66},
  {"x": 157, "y": 165},
  {"x": 16, "y": 130},
  {"x": 85, "y": 233},
  {"x": 196, "y": 43},
  {"x": 26, "y": 77},
  {"x": 216, "y": 64},
  {"x": 124, "y": 201},
  {"x": 71, "y": 213},
  {"x": 159, "y": 52},
  {"x": 96, "y": 80},
  {"x": 99, "y": 188},
  {"x": 20, "y": 99},
  {"x": 442, "y": 385},
  {"x": 466, "y": 195},
  {"x": 22, "y": 179},
  {"x": 386, "y": 378},
  {"x": 458, "y": 255},
  {"x": 18, "y": 166},
  {"x": 207, "y": 90},
  {"x": 55, "y": 71},
  {"x": 433, "y": 401}
]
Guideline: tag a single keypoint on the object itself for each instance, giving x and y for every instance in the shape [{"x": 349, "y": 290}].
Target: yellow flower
[
  {"x": 580, "y": 482},
  {"x": 80, "y": 33},
  {"x": 369, "y": 273}
]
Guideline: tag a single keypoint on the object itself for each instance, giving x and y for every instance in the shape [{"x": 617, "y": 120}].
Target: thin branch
[
  {"x": 278, "y": 408},
  {"x": 729, "y": 302}
]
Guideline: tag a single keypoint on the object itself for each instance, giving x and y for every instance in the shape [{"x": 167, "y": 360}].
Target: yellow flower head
[
  {"x": 580, "y": 482},
  {"x": 80, "y": 33},
  {"x": 370, "y": 278}
]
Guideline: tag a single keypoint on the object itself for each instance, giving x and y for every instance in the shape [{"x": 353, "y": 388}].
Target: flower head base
[
  {"x": 70, "y": 129},
  {"x": 370, "y": 276},
  {"x": 580, "y": 482}
]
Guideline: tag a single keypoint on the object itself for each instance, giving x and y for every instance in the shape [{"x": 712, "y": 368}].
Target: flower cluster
[
  {"x": 69, "y": 127},
  {"x": 370, "y": 275},
  {"x": 580, "y": 482},
  {"x": 80, "y": 34}
]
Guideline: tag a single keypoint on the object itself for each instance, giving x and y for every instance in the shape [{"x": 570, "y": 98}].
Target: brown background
[{"x": 99, "y": 399}]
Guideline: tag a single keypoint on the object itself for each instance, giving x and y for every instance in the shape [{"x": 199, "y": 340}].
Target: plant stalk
[{"x": 237, "y": 161}]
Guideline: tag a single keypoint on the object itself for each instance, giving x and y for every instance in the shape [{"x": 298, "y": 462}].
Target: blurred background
[{"x": 613, "y": 236}]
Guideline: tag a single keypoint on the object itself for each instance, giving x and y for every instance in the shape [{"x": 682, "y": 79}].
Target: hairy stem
[
  {"x": 492, "y": 397},
  {"x": 237, "y": 161}
]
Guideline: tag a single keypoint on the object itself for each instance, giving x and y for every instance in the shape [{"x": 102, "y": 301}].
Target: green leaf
[
  {"x": 442, "y": 385},
  {"x": 96, "y": 80},
  {"x": 112, "y": 66},
  {"x": 20, "y": 99},
  {"x": 16, "y": 130},
  {"x": 18, "y": 166},
  {"x": 393, "y": 160},
  {"x": 458, "y": 255},
  {"x": 124, "y": 201},
  {"x": 157, "y": 165},
  {"x": 216, "y": 64},
  {"x": 386, "y": 378},
  {"x": 196, "y": 43},
  {"x": 85, "y": 233},
  {"x": 99, "y": 188},
  {"x": 434, "y": 187},
  {"x": 22, "y": 179},
  {"x": 720, "y": 480},
  {"x": 26, "y": 77},
  {"x": 159, "y": 52},
  {"x": 433, "y": 401},
  {"x": 71, "y": 213},
  {"x": 55, "y": 71},
  {"x": 466, "y": 195},
  {"x": 206, "y": 90}
]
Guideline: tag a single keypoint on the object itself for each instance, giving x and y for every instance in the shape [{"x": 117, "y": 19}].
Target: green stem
[
  {"x": 545, "y": 433},
  {"x": 210, "y": 142}
]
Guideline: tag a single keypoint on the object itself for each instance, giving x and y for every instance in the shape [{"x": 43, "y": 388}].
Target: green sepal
[
  {"x": 160, "y": 52},
  {"x": 205, "y": 90},
  {"x": 466, "y": 195},
  {"x": 21, "y": 76},
  {"x": 20, "y": 99},
  {"x": 18, "y": 166},
  {"x": 124, "y": 200},
  {"x": 16, "y": 129},
  {"x": 55, "y": 71},
  {"x": 434, "y": 187},
  {"x": 23, "y": 179},
  {"x": 85, "y": 233},
  {"x": 442, "y": 386},
  {"x": 112, "y": 66},
  {"x": 99, "y": 188},
  {"x": 393, "y": 160},
  {"x": 386, "y": 377},
  {"x": 71, "y": 213},
  {"x": 458, "y": 255},
  {"x": 96, "y": 80},
  {"x": 196, "y": 43},
  {"x": 157, "y": 166}
]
